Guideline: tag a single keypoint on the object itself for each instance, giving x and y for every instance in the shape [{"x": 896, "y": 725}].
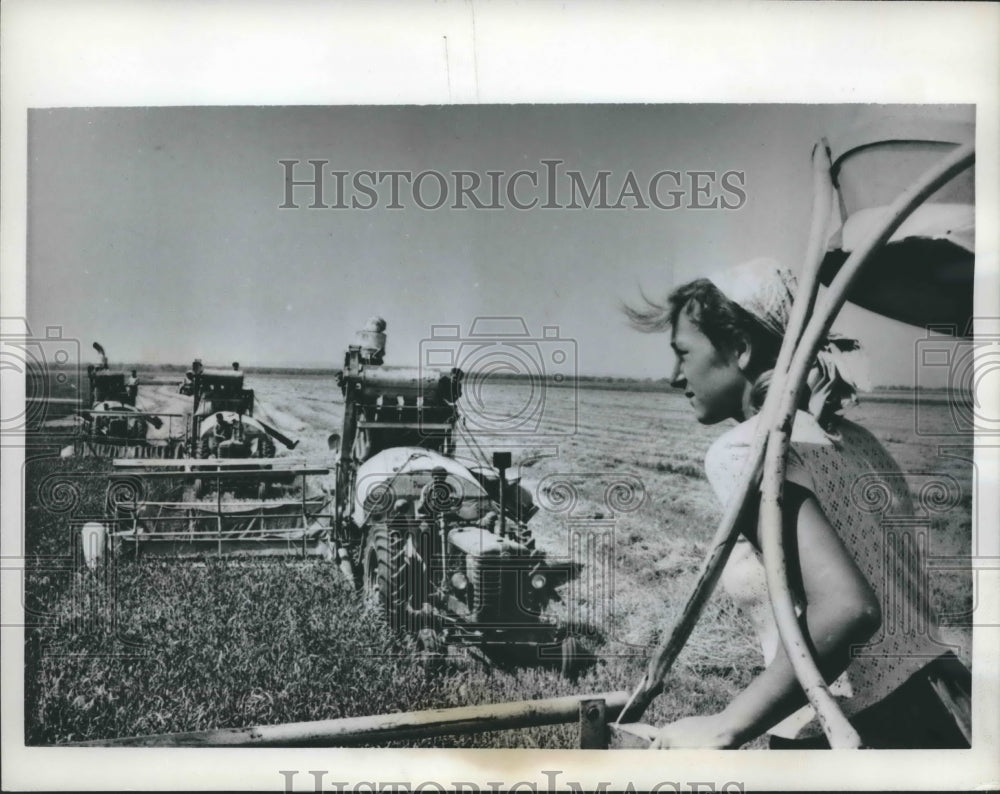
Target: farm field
[{"x": 161, "y": 647}]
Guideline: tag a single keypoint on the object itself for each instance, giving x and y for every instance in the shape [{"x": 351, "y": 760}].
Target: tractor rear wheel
[{"x": 387, "y": 573}]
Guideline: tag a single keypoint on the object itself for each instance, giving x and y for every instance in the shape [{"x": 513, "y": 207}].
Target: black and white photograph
[{"x": 361, "y": 432}]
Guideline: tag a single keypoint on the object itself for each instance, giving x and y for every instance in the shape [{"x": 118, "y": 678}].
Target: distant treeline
[
  {"x": 180, "y": 369},
  {"x": 592, "y": 382},
  {"x": 611, "y": 382}
]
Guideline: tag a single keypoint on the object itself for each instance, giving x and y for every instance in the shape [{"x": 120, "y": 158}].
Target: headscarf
[{"x": 765, "y": 289}]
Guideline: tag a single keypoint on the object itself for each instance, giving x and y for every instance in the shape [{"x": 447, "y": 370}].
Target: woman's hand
[
  {"x": 820, "y": 380},
  {"x": 710, "y": 731}
]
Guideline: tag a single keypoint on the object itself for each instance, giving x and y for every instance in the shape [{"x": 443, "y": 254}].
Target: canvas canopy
[{"x": 925, "y": 275}]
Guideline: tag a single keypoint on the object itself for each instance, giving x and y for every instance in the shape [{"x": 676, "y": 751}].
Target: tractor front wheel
[{"x": 386, "y": 574}]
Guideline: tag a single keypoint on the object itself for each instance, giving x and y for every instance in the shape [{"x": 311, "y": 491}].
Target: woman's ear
[{"x": 743, "y": 352}]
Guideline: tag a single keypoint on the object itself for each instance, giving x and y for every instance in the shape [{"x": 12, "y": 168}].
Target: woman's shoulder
[
  {"x": 810, "y": 447},
  {"x": 805, "y": 430}
]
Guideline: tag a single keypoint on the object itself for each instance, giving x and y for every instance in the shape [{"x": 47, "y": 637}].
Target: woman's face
[{"x": 711, "y": 378}]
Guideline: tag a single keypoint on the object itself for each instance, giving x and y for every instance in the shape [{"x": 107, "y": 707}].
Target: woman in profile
[{"x": 858, "y": 596}]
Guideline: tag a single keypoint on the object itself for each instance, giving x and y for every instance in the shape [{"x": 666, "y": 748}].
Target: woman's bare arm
[{"x": 841, "y": 610}]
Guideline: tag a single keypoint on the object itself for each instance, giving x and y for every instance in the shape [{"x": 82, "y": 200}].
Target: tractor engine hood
[{"x": 403, "y": 472}]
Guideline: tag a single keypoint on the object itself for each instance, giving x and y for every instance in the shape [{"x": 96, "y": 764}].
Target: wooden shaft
[
  {"x": 367, "y": 731},
  {"x": 839, "y": 731},
  {"x": 808, "y": 280}
]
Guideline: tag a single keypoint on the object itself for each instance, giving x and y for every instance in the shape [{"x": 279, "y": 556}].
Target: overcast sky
[{"x": 158, "y": 232}]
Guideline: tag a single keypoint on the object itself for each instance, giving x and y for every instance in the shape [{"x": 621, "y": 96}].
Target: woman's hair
[
  {"x": 767, "y": 292},
  {"x": 725, "y": 323}
]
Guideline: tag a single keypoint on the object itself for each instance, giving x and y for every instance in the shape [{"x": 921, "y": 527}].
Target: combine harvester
[
  {"x": 230, "y": 496},
  {"x": 107, "y": 423},
  {"x": 902, "y": 168},
  {"x": 223, "y": 423}
]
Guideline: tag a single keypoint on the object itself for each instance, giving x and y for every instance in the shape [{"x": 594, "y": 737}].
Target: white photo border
[{"x": 61, "y": 53}]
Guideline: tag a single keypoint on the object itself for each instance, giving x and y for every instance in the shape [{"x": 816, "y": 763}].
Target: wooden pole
[{"x": 377, "y": 729}]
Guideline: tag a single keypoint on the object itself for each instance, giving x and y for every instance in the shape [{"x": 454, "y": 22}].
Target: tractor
[{"x": 440, "y": 546}]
